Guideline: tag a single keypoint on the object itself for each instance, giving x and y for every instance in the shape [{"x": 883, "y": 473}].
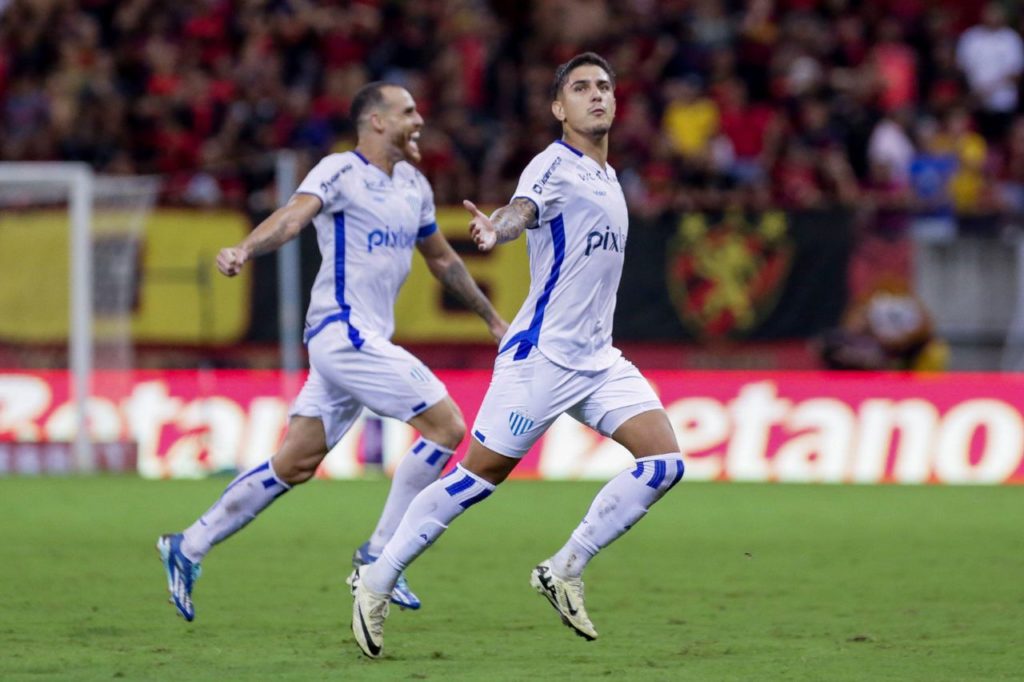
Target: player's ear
[
  {"x": 558, "y": 110},
  {"x": 377, "y": 121}
]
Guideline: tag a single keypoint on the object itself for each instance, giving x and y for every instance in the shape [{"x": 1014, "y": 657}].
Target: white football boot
[
  {"x": 566, "y": 596},
  {"x": 369, "y": 610}
]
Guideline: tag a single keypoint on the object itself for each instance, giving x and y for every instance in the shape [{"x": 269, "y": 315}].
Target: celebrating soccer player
[
  {"x": 556, "y": 358},
  {"x": 370, "y": 207}
]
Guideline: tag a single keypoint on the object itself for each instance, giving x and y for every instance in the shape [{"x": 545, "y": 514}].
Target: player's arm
[
  {"x": 504, "y": 225},
  {"x": 451, "y": 272},
  {"x": 281, "y": 226}
]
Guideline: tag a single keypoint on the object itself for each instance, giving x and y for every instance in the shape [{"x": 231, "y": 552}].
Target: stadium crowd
[{"x": 897, "y": 104}]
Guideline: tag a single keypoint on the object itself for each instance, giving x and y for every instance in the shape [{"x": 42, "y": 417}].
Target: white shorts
[
  {"x": 384, "y": 377},
  {"x": 526, "y": 396}
]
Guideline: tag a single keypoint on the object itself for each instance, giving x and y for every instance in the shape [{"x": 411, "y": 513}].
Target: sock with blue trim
[
  {"x": 419, "y": 468},
  {"x": 244, "y": 498},
  {"x": 618, "y": 506},
  {"x": 427, "y": 517}
]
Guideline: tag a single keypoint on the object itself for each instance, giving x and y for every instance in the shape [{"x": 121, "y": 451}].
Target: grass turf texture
[{"x": 719, "y": 582}]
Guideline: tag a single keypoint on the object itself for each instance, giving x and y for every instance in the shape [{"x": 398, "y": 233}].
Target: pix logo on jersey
[
  {"x": 390, "y": 239},
  {"x": 519, "y": 423},
  {"x": 606, "y": 241}
]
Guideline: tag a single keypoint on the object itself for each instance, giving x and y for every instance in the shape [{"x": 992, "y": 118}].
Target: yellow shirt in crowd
[{"x": 690, "y": 126}]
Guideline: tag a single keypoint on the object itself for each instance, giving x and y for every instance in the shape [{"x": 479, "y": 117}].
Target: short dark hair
[
  {"x": 370, "y": 96},
  {"x": 563, "y": 71}
]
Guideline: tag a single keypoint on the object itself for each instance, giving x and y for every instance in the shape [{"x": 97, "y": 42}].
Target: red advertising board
[{"x": 746, "y": 426}]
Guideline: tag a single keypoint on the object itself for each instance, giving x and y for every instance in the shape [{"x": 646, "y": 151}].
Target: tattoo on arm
[
  {"x": 457, "y": 280},
  {"x": 510, "y": 221}
]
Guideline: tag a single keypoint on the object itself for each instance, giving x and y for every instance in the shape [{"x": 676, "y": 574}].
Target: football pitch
[{"x": 719, "y": 582}]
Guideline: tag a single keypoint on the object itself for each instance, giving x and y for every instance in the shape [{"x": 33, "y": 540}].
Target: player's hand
[
  {"x": 498, "y": 327},
  {"x": 481, "y": 229},
  {"x": 231, "y": 259}
]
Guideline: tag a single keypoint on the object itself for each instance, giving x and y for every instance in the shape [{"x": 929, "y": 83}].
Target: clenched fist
[{"x": 231, "y": 260}]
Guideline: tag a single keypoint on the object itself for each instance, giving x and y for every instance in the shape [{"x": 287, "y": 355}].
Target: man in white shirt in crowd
[{"x": 991, "y": 55}]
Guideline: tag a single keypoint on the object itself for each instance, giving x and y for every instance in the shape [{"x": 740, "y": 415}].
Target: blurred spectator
[
  {"x": 1011, "y": 186},
  {"x": 888, "y": 189},
  {"x": 890, "y": 149},
  {"x": 758, "y": 34},
  {"x": 712, "y": 27},
  {"x": 717, "y": 98},
  {"x": 690, "y": 120},
  {"x": 814, "y": 125},
  {"x": 968, "y": 188},
  {"x": 896, "y": 66},
  {"x": 930, "y": 173},
  {"x": 747, "y": 127},
  {"x": 991, "y": 55},
  {"x": 795, "y": 178}
]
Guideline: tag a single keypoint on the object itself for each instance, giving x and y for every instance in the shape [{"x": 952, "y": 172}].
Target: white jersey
[
  {"x": 576, "y": 255},
  {"x": 992, "y": 59},
  {"x": 366, "y": 229}
]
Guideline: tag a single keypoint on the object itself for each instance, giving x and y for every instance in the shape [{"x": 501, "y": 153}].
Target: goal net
[{"x": 70, "y": 247}]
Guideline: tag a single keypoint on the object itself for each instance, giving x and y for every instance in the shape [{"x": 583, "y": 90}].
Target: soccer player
[
  {"x": 557, "y": 357},
  {"x": 370, "y": 208}
]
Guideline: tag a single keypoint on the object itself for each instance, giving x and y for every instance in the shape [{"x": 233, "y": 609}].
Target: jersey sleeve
[
  {"x": 428, "y": 215},
  {"x": 326, "y": 181},
  {"x": 541, "y": 182}
]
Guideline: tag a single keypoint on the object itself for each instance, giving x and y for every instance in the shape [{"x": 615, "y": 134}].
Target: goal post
[
  {"x": 289, "y": 275},
  {"x": 73, "y": 250},
  {"x": 77, "y": 180},
  {"x": 73, "y": 310}
]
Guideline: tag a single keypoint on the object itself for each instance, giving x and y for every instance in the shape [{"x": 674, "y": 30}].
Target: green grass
[{"x": 719, "y": 582}]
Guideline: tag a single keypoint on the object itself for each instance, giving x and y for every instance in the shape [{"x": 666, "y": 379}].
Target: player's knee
[
  {"x": 304, "y": 447},
  {"x": 449, "y": 433},
  {"x": 296, "y": 470},
  {"x": 456, "y": 431},
  {"x": 296, "y": 467}
]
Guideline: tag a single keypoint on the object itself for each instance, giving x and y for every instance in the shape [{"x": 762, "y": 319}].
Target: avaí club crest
[{"x": 519, "y": 423}]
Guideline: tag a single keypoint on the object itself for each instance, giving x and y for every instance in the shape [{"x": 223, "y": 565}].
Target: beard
[
  {"x": 409, "y": 148},
  {"x": 593, "y": 129}
]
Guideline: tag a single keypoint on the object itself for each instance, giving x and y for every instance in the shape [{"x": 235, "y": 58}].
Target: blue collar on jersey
[
  {"x": 575, "y": 151},
  {"x": 365, "y": 160}
]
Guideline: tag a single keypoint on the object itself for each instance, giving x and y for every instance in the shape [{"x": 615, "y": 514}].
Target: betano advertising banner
[{"x": 738, "y": 426}]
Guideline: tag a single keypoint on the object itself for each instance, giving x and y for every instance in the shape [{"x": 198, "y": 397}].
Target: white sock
[
  {"x": 418, "y": 469},
  {"x": 427, "y": 517},
  {"x": 242, "y": 500},
  {"x": 618, "y": 506}
]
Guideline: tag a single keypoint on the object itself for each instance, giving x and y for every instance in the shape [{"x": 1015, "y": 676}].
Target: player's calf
[
  {"x": 622, "y": 502},
  {"x": 441, "y": 424},
  {"x": 427, "y": 518}
]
